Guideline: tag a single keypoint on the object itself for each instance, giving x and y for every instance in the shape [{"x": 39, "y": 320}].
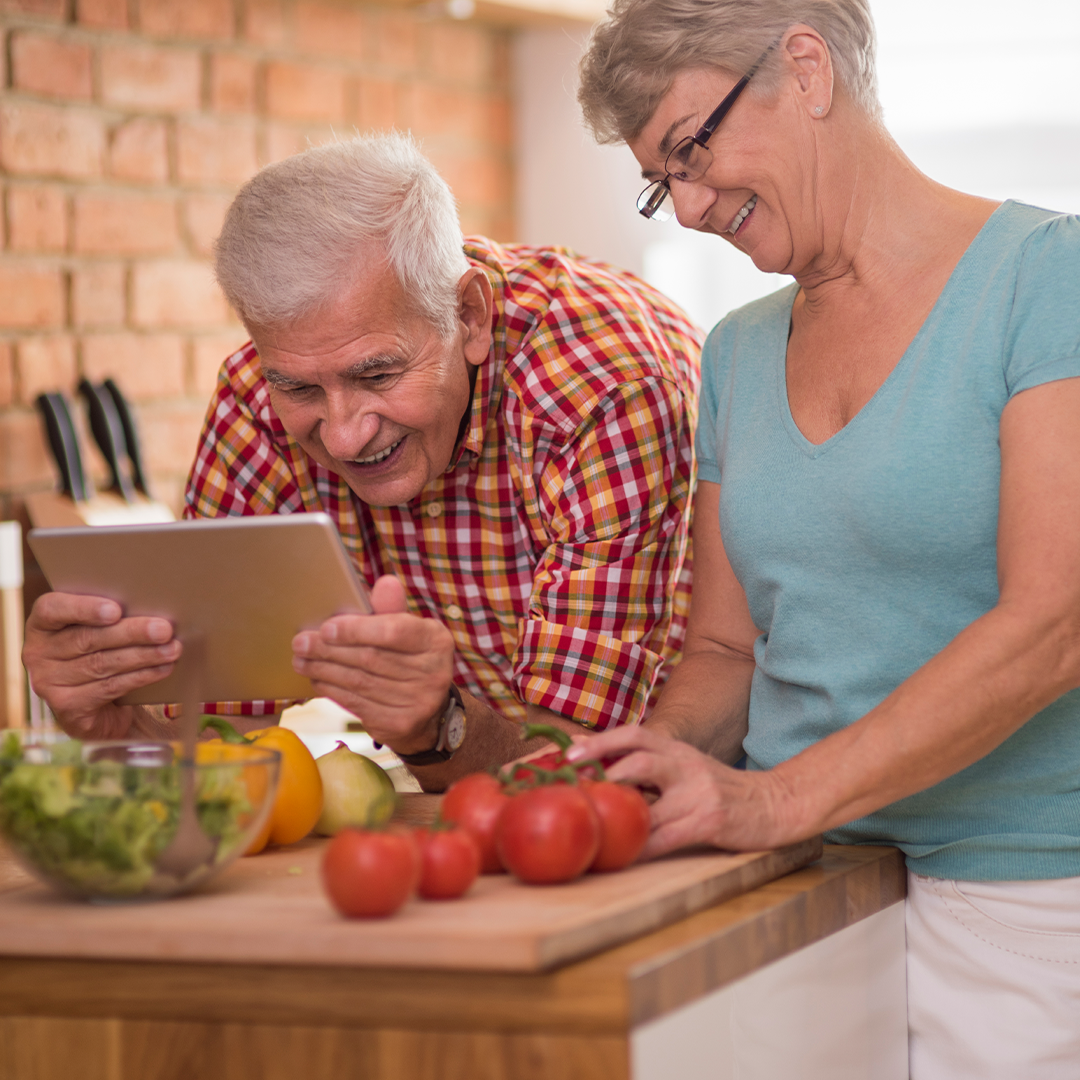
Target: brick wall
[{"x": 125, "y": 127}]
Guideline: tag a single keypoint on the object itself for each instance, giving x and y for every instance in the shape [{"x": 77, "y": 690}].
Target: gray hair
[
  {"x": 295, "y": 236},
  {"x": 635, "y": 53}
]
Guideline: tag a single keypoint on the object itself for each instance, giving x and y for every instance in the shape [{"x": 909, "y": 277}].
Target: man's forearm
[
  {"x": 706, "y": 703},
  {"x": 490, "y": 739}
]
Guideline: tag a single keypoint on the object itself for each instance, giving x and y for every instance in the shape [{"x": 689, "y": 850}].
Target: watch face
[{"x": 455, "y": 728}]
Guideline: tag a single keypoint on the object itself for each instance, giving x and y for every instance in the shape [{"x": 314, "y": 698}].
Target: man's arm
[{"x": 393, "y": 670}]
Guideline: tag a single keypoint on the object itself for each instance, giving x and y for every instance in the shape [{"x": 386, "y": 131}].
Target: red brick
[
  {"x": 102, "y": 14},
  {"x": 24, "y": 458},
  {"x": 37, "y": 218},
  {"x": 30, "y": 296},
  {"x": 116, "y": 224},
  {"x": 394, "y": 39},
  {"x": 451, "y": 114},
  {"x": 45, "y": 365},
  {"x": 266, "y": 23},
  {"x": 7, "y": 375},
  {"x": 203, "y": 215},
  {"x": 215, "y": 152},
  {"x": 139, "y": 150},
  {"x": 476, "y": 180},
  {"x": 43, "y": 64},
  {"x": 379, "y": 107},
  {"x": 56, "y": 10},
  {"x": 502, "y": 61},
  {"x": 208, "y": 354},
  {"x": 145, "y": 366},
  {"x": 49, "y": 140},
  {"x": 186, "y": 18},
  {"x": 329, "y": 29},
  {"x": 174, "y": 294},
  {"x": 98, "y": 295},
  {"x": 304, "y": 92},
  {"x": 460, "y": 53},
  {"x": 232, "y": 83},
  {"x": 150, "y": 79},
  {"x": 170, "y": 436},
  {"x": 281, "y": 141}
]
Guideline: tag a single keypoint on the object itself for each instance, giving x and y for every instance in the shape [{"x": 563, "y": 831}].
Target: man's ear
[
  {"x": 475, "y": 307},
  {"x": 810, "y": 65}
]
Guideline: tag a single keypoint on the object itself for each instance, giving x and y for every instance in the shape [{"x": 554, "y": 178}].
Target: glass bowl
[{"x": 95, "y": 819}]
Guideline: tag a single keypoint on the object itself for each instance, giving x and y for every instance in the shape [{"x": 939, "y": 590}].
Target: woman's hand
[{"x": 701, "y": 800}]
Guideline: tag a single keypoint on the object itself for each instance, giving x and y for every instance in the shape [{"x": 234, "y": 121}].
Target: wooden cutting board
[{"x": 270, "y": 909}]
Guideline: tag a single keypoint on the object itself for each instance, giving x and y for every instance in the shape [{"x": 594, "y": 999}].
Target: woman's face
[{"x": 760, "y": 192}]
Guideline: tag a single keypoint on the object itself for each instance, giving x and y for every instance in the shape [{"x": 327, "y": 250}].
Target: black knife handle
[
  {"x": 108, "y": 433},
  {"x": 64, "y": 444},
  {"x": 131, "y": 436}
]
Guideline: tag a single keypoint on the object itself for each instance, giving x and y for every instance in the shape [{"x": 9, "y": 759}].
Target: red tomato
[
  {"x": 370, "y": 873},
  {"x": 624, "y": 823},
  {"x": 554, "y": 759},
  {"x": 548, "y": 834},
  {"x": 475, "y": 802},
  {"x": 449, "y": 862}
]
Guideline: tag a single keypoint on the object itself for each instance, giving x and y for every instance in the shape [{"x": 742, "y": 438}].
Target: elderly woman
[{"x": 886, "y": 609}]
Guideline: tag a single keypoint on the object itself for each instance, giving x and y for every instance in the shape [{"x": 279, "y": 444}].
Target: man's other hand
[{"x": 390, "y": 668}]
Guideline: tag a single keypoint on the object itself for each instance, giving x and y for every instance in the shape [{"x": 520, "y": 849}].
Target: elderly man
[{"x": 502, "y": 434}]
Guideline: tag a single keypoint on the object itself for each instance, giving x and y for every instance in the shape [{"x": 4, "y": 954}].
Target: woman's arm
[
  {"x": 706, "y": 699},
  {"x": 984, "y": 685}
]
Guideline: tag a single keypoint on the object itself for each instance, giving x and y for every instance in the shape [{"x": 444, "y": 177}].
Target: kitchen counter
[{"x": 802, "y": 976}]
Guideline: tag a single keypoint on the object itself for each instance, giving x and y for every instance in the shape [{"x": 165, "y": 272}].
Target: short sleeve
[{"x": 1042, "y": 342}]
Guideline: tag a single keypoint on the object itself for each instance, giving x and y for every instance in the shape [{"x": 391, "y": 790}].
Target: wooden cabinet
[{"x": 821, "y": 947}]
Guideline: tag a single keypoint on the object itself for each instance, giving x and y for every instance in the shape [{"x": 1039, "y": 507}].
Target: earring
[{"x": 818, "y": 110}]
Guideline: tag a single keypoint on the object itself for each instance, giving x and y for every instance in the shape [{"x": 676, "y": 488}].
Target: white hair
[
  {"x": 300, "y": 230},
  {"x": 635, "y": 53}
]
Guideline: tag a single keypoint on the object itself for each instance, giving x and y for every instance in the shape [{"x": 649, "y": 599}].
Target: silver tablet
[{"x": 246, "y": 585}]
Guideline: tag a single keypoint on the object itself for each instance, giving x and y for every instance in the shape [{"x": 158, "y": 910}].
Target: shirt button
[
  {"x": 434, "y": 509},
  {"x": 454, "y": 612}
]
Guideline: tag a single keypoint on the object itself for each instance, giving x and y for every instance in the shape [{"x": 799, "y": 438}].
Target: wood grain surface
[
  {"x": 68, "y": 1019},
  {"x": 501, "y": 925}
]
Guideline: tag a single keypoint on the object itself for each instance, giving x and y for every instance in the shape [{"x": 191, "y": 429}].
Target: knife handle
[
  {"x": 108, "y": 433},
  {"x": 64, "y": 444},
  {"x": 131, "y": 436}
]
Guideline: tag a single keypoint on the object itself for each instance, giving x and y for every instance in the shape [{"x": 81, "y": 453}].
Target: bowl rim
[{"x": 245, "y": 753}]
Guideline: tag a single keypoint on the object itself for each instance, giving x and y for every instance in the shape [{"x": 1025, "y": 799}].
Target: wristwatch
[{"x": 451, "y": 734}]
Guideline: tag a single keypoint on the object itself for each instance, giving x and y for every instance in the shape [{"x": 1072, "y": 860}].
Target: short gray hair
[
  {"x": 294, "y": 236},
  {"x": 635, "y": 53}
]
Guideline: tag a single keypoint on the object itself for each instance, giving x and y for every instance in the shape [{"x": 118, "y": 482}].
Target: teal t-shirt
[{"x": 864, "y": 556}]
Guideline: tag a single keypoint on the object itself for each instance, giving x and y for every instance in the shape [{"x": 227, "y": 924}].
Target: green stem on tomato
[
  {"x": 546, "y": 731},
  {"x": 227, "y": 732}
]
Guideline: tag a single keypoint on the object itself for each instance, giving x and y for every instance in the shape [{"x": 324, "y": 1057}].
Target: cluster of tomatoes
[{"x": 546, "y": 821}]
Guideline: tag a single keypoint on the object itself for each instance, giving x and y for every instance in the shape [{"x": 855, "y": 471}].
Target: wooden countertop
[
  {"x": 271, "y": 909},
  {"x": 606, "y": 994}
]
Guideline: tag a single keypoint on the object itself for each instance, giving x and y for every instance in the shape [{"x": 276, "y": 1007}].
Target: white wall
[{"x": 982, "y": 95}]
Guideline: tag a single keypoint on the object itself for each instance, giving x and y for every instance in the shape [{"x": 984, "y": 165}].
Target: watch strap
[{"x": 440, "y": 752}]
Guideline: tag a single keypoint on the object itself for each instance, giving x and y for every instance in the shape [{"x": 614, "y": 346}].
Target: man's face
[{"x": 369, "y": 389}]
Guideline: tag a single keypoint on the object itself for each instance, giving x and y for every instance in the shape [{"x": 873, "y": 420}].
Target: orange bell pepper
[{"x": 299, "y": 799}]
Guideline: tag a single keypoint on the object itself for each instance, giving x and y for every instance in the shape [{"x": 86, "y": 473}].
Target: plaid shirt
[{"x": 555, "y": 546}]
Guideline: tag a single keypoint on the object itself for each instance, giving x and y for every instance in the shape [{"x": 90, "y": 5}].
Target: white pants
[{"x": 993, "y": 979}]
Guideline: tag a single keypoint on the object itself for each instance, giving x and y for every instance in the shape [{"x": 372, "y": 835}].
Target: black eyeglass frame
[{"x": 648, "y": 204}]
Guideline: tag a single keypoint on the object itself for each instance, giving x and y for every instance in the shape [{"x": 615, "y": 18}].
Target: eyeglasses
[{"x": 691, "y": 157}]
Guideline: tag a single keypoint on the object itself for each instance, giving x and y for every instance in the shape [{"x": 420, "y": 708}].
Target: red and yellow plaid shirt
[{"x": 555, "y": 546}]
